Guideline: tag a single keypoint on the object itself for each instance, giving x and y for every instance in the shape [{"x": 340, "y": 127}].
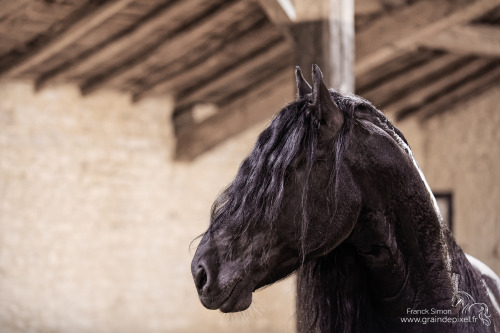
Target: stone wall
[{"x": 96, "y": 218}]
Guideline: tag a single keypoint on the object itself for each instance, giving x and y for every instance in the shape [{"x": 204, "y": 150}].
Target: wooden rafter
[
  {"x": 202, "y": 93},
  {"x": 465, "y": 90},
  {"x": 475, "y": 39},
  {"x": 367, "y": 7},
  {"x": 242, "y": 112},
  {"x": 234, "y": 117},
  {"x": 410, "y": 80},
  {"x": 178, "y": 41},
  {"x": 62, "y": 35},
  {"x": 385, "y": 73},
  {"x": 228, "y": 43},
  {"x": 114, "y": 47},
  {"x": 400, "y": 24},
  {"x": 9, "y": 7},
  {"x": 420, "y": 97},
  {"x": 395, "y": 48},
  {"x": 230, "y": 53},
  {"x": 423, "y": 86},
  {"x": 280, "y": 12}
]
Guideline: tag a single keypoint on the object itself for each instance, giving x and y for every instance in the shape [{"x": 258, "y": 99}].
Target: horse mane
[
  {"x": 256, "y": 194},
  {"x": 332, "y": 289},
  {"x": 328, "y": 287}
]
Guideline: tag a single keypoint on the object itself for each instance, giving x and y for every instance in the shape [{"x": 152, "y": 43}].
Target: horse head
[
  {"x": 331, "y": 189},
  {"x": 274, "y": 214}
]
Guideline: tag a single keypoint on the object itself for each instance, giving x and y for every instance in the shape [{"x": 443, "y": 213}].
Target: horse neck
[
  {"x": 419, "y": 244},
  {"x": 398, "y": 256},
  {"x": 440, "y": 265},
  {"x": 395, "y": 258},
  {"x": 427, "y": 267}
]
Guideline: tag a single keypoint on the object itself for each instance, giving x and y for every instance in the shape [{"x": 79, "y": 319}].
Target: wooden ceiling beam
[
  {"x": 467, "y": 89},
  {"x": 235, "y": 117},
  {"x": 420, "y": 97},
  {"x": 203, "y": 90},
  {"x": 63, "y": 34},
  {"x": 388, "y": 71},
  {"x": 477, "y": 39},
  {"x": 179, "y": 41},
  {"x": 114, "y": 47},
  {"x": 229, "y": 43},
  {"x": 400, "y": 24},
  {"x": 9, "y": 7},
  {"x": 399, "y": 45},
  {"x": 224, "y": 57},
  {"x": 280, "y": 12},
  {"x": 408, "y": 80},
  {"x": 367, "y": 7},
  {"x": 333, "y": 51}
]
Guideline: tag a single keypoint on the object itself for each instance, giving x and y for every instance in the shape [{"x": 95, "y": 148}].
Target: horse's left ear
[
  {"x": 323, "y": 104},
  {"x": 303, "y": 88}
]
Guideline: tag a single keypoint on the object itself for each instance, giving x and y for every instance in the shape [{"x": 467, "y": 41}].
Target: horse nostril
[{"x": 201, "y": 278}]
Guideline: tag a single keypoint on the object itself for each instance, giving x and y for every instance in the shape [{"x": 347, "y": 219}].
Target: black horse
[{"x": 331, "y": 190}]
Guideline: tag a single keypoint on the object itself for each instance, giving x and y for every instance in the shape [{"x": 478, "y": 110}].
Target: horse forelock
[
  {"x": 254, "y": 199},
  {"x": 256, "y": 193}
]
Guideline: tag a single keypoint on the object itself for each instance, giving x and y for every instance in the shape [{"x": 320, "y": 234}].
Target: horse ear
[
  {"x": 328, "y": 112},
  {"x": 303, "y": 88}
]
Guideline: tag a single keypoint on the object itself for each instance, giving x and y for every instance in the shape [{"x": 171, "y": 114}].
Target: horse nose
[{"x": 201, "y": 277}]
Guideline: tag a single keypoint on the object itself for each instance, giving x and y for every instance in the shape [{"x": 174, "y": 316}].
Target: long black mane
[
  {"x": 331, "y": 190},
  {"x": 256, "y": 194}
]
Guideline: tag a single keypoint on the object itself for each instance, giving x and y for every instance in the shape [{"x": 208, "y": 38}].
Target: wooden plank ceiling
[{"x": 413, "y": 57}]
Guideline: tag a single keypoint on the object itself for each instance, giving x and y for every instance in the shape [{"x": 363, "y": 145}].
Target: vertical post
[
  {"x": 323, "y": 33},
  {"x": 341, "y": 24}
]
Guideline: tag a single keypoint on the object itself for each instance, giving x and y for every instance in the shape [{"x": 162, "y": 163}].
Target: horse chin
[
  {"x": 236, "y": 303},
  {"x": 234, "y": 297},
  {"x": 239, "y": 299}
]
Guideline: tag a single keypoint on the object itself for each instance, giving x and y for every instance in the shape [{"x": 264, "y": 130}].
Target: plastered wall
[
  {"x": 96, "y": 218},
  {"x": 462, "y": 151},
  {"x": 459, "y": 153}
]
